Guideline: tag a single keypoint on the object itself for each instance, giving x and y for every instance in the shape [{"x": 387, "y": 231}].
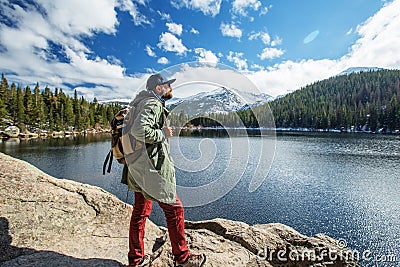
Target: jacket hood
[{"x": 142, "y": 95}]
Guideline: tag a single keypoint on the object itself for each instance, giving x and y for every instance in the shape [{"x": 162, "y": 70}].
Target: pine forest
[{"x": 48, "y": 111}]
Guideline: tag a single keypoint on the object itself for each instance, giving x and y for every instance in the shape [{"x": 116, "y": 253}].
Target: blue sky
[{"x": 107, "y": 48}]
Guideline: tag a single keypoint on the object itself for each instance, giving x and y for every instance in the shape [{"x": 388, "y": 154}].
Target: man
[{"x": 152, "y": 175}]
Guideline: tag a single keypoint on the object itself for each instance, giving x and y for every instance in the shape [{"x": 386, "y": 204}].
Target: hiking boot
[
  {"x": 194, "y": 260},
  {"x": 145, "y": 261}
]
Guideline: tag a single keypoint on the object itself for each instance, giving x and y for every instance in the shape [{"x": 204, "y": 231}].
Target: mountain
[
  {"x": 220, "y": 100},
  {"x": 119, "y": 101},
  {"x": 358, "y": 70}
]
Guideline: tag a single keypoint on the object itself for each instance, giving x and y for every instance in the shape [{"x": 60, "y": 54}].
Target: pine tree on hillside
[
  {"x": 51, "y": 110},
  {"x": 28, "y": 105},
  {"x": 38, "y": 108},
  {"x": 11, "y": 102},
  {"x": 69, "y": 117},
  {"x": 3, "y": 112},
  {"x": 3, "y": 89},
  {"x": 20, "y": 106},
  {"x": 359, "y": 100}
]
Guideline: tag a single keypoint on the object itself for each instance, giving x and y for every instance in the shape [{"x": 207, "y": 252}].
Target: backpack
[
  {"x": 116, "y": 151},
  {"x": 121, "y": 139}
]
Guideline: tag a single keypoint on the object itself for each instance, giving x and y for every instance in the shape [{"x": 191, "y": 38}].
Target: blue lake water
[{"x": 344, "y": 185}]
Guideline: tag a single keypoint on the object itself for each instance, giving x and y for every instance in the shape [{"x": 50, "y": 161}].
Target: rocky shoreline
[{"x": 45, "y": 221}]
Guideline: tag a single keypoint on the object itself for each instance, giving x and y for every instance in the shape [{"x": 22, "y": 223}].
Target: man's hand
[{"x": 167, "y": 131}]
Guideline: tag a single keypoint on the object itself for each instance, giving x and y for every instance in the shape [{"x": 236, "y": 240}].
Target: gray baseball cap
[{"x": 157, "y": 79}]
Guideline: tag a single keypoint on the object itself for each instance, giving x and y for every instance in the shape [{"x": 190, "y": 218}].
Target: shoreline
[{"x": 67, "y": 134}]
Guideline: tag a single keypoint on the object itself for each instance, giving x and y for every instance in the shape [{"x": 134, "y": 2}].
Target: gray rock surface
[{"x": 46, "y": 221}]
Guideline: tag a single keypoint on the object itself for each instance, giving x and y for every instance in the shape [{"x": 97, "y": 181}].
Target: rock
[
  {"x": 276, "y": 244},
  {"x": 40, "y": 214},
  {"x": 12, "y": 131},
  {"x": 46, "y": 221}
]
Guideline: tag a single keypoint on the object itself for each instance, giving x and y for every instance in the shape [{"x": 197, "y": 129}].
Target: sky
[{"x": 107, "y": 48}]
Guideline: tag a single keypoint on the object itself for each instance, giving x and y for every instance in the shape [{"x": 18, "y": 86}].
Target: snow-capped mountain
[
  {"x": 358, "y": 70},
  {"x": 120, "y": 101},
  {"x": 220, "y": 100}
]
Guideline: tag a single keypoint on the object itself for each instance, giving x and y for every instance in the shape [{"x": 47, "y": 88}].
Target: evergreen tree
[
  {"x": 69, "y": 117},
  {"x": 20, "y": 112},
  {"x": 77, "y": 112},
  {"x": 4, "y": 89},
  {"x": 84, "y": 107},
  {"x": 29, "y": 107},
  {"x": 12, "y": 102},
  {"x": 3, "y": 112}
]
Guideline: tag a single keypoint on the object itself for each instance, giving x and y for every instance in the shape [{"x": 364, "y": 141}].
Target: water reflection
[{"x": 54, "y": 141}]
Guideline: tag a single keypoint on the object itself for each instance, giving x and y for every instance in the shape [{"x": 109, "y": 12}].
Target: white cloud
[
  {"x": 206, "y": 56},
  {"x": 124, "y": 5},
  {"x": 163, "y": 60},
  {"x": 92, "y": 92},
  {"x": 256, "y": 66},
  {"x": 194, "y": 31},
  {"x": 64, "y": 17},
  {"x": 170, "y": 43},
  {"x": 142, "y": 2},
  {"x": 208, "y": 7},
  {"x": 264, "y": 36},
  {"x": 150, "y": 70},
  {"x": 237, "y": 59},
  {"x": 174, "y": 28},
  {"x": 289, "y": 76},
  {"x": 114, "y": 61},
  {"x": 254, "y": 36},
  {"x": 240, "y": 6},
  {"x": 230, "y": 30},
  {"x": 150, "y": 52},
  {"x": 350, "y": 31},
  {"x": 270, "y": 53},
  {"x": 34, "y": 38},
  {"x": 380, "y": 39},
  {"x": 277, "y": 41},
  {"x": 164, "y": 16},
  {"x": 194, "y": 77},
  {"x": 264, "y": 10},
  {"x": 94, "y": 68}
]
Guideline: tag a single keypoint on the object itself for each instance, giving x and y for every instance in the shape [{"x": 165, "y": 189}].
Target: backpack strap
[
  {"x": 108, "y": 159},
  {"x": 159, "y": 147}
]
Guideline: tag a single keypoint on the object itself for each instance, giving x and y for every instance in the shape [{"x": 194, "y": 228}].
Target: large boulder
[{"x": 46, "y": 221}]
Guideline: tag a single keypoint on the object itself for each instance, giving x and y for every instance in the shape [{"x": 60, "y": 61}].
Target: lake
[{"x": 341, "y": 184}]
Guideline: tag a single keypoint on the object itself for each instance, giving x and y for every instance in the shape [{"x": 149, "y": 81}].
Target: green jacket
[{"x": 152, "y": 172}]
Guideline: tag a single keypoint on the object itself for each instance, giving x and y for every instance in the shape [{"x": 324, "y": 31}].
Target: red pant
[{"x": 175, "y": 223}]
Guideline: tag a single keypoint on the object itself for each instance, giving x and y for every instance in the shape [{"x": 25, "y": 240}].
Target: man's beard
[{"x": 167, "y": 95}]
